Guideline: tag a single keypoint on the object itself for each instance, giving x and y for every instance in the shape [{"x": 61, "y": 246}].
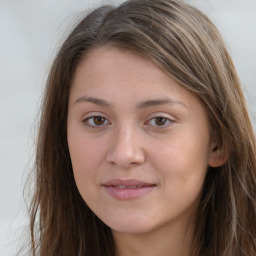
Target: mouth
[{"x": 128, "y": 189}]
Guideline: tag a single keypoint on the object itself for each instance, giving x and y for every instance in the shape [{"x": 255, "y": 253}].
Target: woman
[{"x": 145, "y": 145}]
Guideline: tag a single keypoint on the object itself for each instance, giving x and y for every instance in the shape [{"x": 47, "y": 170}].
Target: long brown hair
[{"x": 186, "y": 45}]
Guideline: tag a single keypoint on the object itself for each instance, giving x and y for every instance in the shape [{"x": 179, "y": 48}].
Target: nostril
[{"x": 125, "y": 151}]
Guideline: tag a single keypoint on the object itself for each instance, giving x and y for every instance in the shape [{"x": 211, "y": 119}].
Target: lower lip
[{"x": 128, "y": 193}]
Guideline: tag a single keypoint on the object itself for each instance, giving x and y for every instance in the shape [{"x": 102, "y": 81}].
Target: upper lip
[{"x": 132, "y": 182}]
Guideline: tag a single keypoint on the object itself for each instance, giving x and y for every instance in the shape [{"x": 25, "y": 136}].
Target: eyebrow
[
  {"x": 97, "y": 101},
  {"x": 140, "y": 105},
  {"x": 157, "y": 102}
]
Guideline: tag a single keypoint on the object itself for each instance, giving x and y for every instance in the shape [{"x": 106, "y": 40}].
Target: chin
[
  {"x": 130, "y": 229},
  {"x": 132, "y": 226}
]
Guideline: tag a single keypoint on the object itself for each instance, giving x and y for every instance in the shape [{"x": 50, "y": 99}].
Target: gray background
[{"x": 30, "y": 32}]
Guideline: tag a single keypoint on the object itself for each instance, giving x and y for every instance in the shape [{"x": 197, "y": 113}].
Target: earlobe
[{"x": 217, "y": 156}]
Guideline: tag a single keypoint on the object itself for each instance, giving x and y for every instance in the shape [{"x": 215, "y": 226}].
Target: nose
[{"x": 126, "y": 150}]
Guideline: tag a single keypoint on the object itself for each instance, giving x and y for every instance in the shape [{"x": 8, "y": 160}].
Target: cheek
[
  {"x": 85, "y": 151},
  {"x": 85, "y": 156},
  {"x": 182, "y": 160},
  {"x": 84, "y": 162}
]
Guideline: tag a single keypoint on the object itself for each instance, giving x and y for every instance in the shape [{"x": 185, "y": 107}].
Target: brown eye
[
  {"x": 99, "y": 120},
  {"x": 160, "y": 121},
  {"x": 96, "y": 121}
]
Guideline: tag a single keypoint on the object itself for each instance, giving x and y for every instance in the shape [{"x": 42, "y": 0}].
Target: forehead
[
  {"x": 108, "y": 64},
  {"x": 109, "y": 60},
  {"x": 123, "y": 76}
]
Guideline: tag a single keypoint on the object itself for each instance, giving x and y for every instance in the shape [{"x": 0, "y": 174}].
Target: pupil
[
  {"x": 160, "y": 120},
  {"x": 98, "y": 120}
]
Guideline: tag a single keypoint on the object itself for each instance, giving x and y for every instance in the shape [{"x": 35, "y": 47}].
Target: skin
[{"x": 172, "y": 152}]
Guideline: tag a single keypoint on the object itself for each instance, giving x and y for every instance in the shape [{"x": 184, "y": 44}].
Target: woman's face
[{"x": 139, "y": 143}]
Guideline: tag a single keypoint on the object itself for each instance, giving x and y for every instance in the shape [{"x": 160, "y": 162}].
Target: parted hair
[{"x": 185, "y": 44}]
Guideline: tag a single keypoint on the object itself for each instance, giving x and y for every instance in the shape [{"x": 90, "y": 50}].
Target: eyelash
[
  {"x": 166, "y": 121},
  {"x": 93, "y": 118}
]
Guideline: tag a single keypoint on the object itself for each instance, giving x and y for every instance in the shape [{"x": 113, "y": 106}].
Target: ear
[{"x": 217, "y": 156}]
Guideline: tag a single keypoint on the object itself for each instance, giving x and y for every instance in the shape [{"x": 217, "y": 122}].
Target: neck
[{"x": 161, "y": 242}]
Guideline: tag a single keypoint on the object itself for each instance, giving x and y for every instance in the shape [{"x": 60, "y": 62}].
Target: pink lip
[{"x": 128, "y": 189}]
